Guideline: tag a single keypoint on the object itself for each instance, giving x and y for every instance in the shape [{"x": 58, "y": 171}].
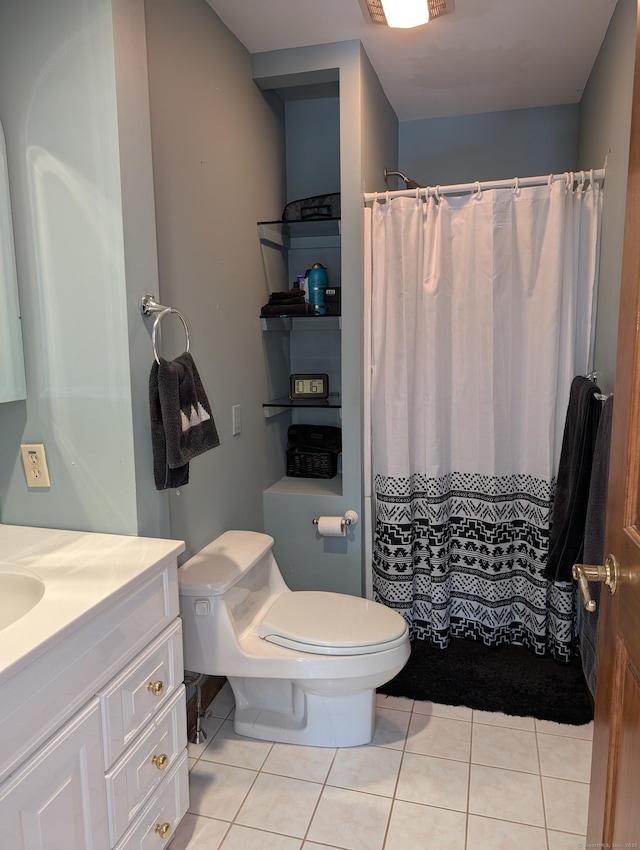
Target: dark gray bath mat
[{"x": 510, "y": 679}]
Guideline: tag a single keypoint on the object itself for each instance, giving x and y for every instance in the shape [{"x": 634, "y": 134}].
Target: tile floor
[{"x": 434, "y": 776}]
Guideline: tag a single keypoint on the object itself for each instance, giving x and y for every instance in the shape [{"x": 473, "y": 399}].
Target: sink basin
[{"x": 20, "y": 591}]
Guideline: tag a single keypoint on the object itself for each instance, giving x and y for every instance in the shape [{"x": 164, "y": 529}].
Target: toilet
[{"x": 303, "y": 665}]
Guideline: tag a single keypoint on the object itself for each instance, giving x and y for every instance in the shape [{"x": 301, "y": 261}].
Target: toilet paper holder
[{"x": 349, "y": 518}]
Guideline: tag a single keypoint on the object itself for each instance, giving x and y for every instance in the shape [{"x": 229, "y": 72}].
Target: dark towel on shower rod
[
  {"x": 574, "y": 476},
  {"x": 182, "y": 425}
]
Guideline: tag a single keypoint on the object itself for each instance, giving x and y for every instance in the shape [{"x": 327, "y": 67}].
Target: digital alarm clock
[{"x": 309, "y": 386}]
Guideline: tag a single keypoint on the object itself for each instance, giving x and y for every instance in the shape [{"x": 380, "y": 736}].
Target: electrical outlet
[
  {"x": 34, "y": 462},
  {"x": 236, "y": 420}
]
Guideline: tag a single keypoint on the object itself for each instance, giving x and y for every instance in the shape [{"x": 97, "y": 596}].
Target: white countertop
[{"x": 83, "y": 573}]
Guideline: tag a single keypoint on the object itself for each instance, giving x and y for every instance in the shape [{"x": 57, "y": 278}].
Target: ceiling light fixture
[{"x": 405, "y": 13}]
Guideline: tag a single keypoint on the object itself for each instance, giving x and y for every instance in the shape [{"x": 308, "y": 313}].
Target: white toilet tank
[{"x": 224, "y": 587}]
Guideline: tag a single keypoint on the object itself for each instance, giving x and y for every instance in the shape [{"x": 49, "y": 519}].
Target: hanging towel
[
  {"x": 574, "y": 475},
  {"x": 594, "y": 543},
  {"x": 182, "y": 425}
]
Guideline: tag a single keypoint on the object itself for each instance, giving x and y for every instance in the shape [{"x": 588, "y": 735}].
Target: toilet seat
[{"x": 325, "y": 623}]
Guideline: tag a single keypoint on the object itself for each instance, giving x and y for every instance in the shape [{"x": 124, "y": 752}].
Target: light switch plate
[{"x": 236, "y": 420}]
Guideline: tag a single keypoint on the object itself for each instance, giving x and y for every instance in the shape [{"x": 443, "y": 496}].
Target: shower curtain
[{"x": 481, "y": 314}]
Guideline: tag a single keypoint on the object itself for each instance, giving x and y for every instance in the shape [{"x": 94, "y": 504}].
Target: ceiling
[{"x": 486, "y": 56}]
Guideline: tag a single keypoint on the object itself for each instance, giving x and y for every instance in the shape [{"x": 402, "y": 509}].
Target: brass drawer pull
[
  {"x": 161, "y": 761},
  {"x": 163, "y": 829},
  {"x": 156, "y": 688}
]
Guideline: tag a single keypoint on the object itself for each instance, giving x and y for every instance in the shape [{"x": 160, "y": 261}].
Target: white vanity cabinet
[
  {"x": 57, "y": 799},
  {"x": 93, "y": 731}
]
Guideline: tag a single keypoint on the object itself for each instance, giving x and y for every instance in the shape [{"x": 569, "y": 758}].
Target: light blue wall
[
  {"x": 312, "y": 136},
  {"x": 58, "y": 107},
  {"x": 605, "y": 121},
  {"x": 74, "y": 99},
  {"x": 489, "y": 146}
]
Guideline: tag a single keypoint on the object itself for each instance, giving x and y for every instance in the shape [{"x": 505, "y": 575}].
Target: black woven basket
[
  {"x": 306, "y": 464},
  {"x": 312, "y": 451}
]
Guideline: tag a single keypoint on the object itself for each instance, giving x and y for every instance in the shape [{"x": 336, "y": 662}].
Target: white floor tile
[
  {"x": 434, "y": 776},
  {"x": 565, "y": 841},
  {"x": 497, "y": 718},
  {"x": 223, "y": 703},
  {"x": 506, "y": 795},
  {"x": 391, "y": 728},
  {"x": 312, "y": 763},
  {"x": 210, "y": 726},
  {"x": 218, "y": 790},
  {"x": 439, "y": 736},
  {"x": 370, "y": 769},
  {"x": 411, "y": 823},
  {"x": 280, "y": 804},
  {"x": 228, "y": 748},
  {"x": 565, "y": 729},
  {"x": 491, "y": 834},
  {"x": 194, "y": 833},
  {"x": 566, "y": 804},
  {"x": 350, "y": 820},
  {"x": 245, "y": 838},
  {"x": 398, "y": 703},
  {"x": 565, "y": 758},
  {"x": 453, "y": 712},
  {"x": 434, "y": 782},
  {"x": 500, "y": 746}
]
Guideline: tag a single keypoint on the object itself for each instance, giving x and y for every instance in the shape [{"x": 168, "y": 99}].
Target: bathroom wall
[
  {"x": 218, "y": 161},
  {"x": 75, "y": 104},
  {"x": 58, "y": 106},
  {"x": 489, "y": 146},
  {"x": 605, "y": 120}
]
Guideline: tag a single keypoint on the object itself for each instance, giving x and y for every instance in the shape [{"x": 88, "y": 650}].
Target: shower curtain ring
[
  {"x": 478, "y": 190},
  {"x": 516, "y": 185},
  {"x": 436, "y": 193}
]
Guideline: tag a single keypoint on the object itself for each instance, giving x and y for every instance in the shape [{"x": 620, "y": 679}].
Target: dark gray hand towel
[
  {"x": 182, "y": 425},
  {"x": 574, "y": 475},
  {"x": 594, "y": 543}
]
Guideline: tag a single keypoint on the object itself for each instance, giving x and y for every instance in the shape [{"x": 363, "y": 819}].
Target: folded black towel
[
  {"x": 594, "y": 543},
  {"x": 574, "y": 475},
  {"x": 270, "y": 310},
  {"x": 291, "y": 296},
  {"x": 182, "y": 425}
]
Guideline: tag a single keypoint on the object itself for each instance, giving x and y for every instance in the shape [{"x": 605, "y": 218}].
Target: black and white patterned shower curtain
[{"x": 481, "y": 315}]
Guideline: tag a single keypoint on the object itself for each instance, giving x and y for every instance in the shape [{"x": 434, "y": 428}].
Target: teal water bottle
[{"x": 318, "y": 281}]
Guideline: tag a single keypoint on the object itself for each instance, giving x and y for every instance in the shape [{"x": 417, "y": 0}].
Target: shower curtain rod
[{"x": 569, "y": 177}]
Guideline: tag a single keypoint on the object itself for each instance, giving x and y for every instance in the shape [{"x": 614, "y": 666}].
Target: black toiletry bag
[{"x": 325, "y": 438}]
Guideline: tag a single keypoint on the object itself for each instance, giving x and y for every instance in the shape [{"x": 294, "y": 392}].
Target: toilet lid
[{"x": 327, "y": 623}]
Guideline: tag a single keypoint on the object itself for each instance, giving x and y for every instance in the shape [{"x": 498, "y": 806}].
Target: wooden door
[{"x": 614, "y": 802}]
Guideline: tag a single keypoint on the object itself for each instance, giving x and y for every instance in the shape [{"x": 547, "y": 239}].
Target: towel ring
[{"x": 156, "y": 325}]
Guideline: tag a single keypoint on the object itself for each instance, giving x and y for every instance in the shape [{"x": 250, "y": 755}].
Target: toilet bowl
[{"x": 303, "y": 665}]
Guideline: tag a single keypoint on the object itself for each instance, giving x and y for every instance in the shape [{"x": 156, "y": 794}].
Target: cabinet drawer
[
  {"x": 163, "y": 813},
  {"x": 147, "y": 683},
  {"x": 145, "y": 764}
]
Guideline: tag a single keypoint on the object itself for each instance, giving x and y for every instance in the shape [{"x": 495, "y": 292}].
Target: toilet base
[{"x": 297, "y": 713}]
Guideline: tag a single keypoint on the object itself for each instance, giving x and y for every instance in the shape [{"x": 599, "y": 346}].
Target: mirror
[{"x": 12, "y": 378}]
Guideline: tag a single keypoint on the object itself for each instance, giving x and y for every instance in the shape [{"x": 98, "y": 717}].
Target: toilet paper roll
[{"x": 331, "y": 526}]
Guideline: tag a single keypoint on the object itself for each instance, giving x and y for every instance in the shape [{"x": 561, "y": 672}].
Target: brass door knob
[
  {"x": 156, "y": 688},
  {"x": 163, "y": 829},
  {"x": 160, "y": 761},
  {"x": 607, "y": 573}
]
